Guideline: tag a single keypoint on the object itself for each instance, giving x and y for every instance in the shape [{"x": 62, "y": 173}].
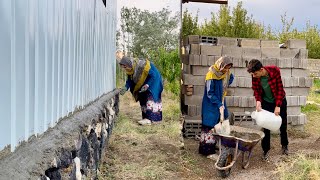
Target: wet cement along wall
[{"x": 71, "y": 150}]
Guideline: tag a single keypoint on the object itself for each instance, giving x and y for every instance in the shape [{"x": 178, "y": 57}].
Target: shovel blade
[{"x": 225, "y": 126}]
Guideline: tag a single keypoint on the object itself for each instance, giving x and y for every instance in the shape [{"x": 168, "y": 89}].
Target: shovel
[{"x": 223, "y": 126}]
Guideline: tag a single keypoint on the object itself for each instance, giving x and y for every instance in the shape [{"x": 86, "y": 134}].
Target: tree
[
  {"x": 189, "y": 24},
  {"x": 144, "y": 31}
]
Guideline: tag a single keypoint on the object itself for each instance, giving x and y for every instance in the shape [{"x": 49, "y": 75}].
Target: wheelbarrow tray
[
  {"x": 243, "y": 144},
  {"x": 240, "y": 145}
]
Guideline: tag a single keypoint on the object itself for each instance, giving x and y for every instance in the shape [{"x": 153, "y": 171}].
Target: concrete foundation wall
[{"x": 71, "y": 150}]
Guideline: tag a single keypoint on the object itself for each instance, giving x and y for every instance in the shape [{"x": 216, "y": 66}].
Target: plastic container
[{"x": 267, "y": 120}]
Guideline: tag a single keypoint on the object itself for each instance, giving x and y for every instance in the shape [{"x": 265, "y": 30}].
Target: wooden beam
[{"x": 207, "y": 1}]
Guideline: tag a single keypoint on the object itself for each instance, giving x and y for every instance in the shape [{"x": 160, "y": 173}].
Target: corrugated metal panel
[{"x": 55, "y": 56}]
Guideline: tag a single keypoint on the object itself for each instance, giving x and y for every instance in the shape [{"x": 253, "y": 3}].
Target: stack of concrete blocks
[{"x": 201, "y": 52}]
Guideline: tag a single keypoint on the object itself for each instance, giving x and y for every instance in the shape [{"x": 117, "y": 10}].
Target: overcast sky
[{"x": 264, "y": 11}]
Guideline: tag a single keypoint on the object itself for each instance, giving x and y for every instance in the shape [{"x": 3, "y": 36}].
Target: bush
[{"x": 237, "y": 23}]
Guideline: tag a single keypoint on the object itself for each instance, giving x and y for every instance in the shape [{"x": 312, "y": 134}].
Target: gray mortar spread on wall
[{"x": 77, "y": 141}]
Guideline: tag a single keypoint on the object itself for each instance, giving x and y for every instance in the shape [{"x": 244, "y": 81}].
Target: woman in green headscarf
[{"x": 145, "y": 84}]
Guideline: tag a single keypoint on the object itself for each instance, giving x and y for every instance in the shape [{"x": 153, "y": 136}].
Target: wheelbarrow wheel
[{"x": 225, "y": 159}]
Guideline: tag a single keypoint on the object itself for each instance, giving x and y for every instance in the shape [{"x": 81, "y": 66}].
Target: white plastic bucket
[{"x": 267, "y": 120}]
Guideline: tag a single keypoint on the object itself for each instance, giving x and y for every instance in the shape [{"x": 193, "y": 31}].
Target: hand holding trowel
[{"x": 223, "y": 126}]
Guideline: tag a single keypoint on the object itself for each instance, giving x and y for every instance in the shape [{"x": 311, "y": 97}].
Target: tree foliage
[
  {"x": 143, "y": 31},
  {"x": 237, "y": 23}
]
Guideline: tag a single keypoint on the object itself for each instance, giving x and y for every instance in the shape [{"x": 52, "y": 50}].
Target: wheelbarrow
[{"x": 240, "y": 141}]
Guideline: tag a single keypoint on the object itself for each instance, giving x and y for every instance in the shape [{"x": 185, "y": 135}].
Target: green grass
[
  {"x": 310, "y": 108},
  {"x": 313, "y": 96},
  {"x": 300, "y": 167}
]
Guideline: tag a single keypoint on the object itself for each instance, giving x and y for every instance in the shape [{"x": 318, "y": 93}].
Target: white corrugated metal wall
[{"x": 55, "y": 56}]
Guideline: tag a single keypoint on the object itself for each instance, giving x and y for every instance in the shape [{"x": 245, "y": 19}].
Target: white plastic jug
[{"x": 267, "y": 119}]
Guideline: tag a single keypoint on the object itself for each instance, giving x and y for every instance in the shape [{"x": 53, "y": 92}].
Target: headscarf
[
  {"x": 138, "y": 74},
  {"x": 129, "y": 63},
  {"x": 219, "y": 65},
  {"x": 215, "y": 72}
]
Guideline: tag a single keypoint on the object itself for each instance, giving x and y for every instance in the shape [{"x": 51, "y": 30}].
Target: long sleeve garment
[
  {"x": 212, "y": 101},
  {"x": 275, "y": 83},
  {"x": 154, "y": 80}
]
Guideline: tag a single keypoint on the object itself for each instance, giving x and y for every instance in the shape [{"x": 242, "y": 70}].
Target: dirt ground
[{"x": 157, "y": 151}]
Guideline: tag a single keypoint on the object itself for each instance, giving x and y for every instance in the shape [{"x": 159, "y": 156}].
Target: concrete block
[
  {"x": 189, "y": 79},
  {"x": 198, "y": 90},
  {"x": 285, "y": 63},
  {"x": 300, "y": 72},
  {"x": 289, "y": 53},
  {"x": 239, "y": 62},
  {"x": 199, "y": 109},
  {"x": 193, "y": 39},
  {"x": 297, "y": 119},
  {"x": 224, "y": 41},
  {"x": 185, "y": 58},
  {"x": 210, "y": 50},
  {"x": 252, "y": 101},
  {"x": 293, "y": 110},
  {"x": 240, "y": 91},
  {"x": 193, "y": 100},
  {"x": 212, "y": 60},
  {"x": 192, "y": 110},
  {"x": 296, "y": 44},
  {"x": 292, "y": 100},
  {"x": 229, "y": 100},
  {"x": 303, "y": 53},
  {"x": 269, "y": 44},
  {"x": 204, "y": 60},
  {"x": 270, "y": 61},
  {"x": 303, "y": 64},
  {"x": 300, "y": 63},
  {"x": 230, "y": 91},
  {"x": 186, "y": 69},
  {"x": 287, "y": 81},
  {"x": 251, "y": 109},
  {"x": 295, "y": 81},
  {"x": 302, "y": 81},
  {"x": 194, "y": 59},
  {"x": 208, "y": 39},
  {"x": 267, "y": 52},
  {"x": 302, "y": 100},
  {"x": 195, "y": 49},
  {"x": 286, "y": 72},
  {"x": 244, "y": 101},
  {"x": 199, "y": 70},
  {"x": 256, "y": 43},
  {"x": 235, "y": 101},
  {"x": 288, "y": 91},
  {"x": 244, "y": 82},
  {"x": 232, "y": 51},
  {"x": 234, "y": 83},
  {"x": 235, "y": 109},
  {"x": 251, "y": 53},
  {"x": 241, "y": 72},
  {"x": 300, "y": 91},
  {"x": 309, "y": 82}
]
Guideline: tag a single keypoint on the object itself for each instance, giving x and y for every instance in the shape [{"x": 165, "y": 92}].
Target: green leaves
[
  {"x": 237, "y": 23},
  {"x": 144, "y": 31}
]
